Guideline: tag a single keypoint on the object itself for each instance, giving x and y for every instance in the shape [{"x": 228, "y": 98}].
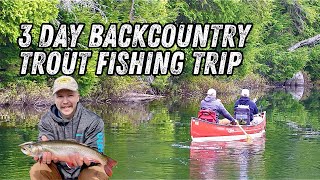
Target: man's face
[{"x": 66, "y": 102}]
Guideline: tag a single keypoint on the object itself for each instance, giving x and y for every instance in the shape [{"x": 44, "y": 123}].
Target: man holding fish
[{"x": 71, "y": 139}]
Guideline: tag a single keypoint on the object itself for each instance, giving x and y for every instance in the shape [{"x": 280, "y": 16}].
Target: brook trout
[{"x": 63, "y": 148}]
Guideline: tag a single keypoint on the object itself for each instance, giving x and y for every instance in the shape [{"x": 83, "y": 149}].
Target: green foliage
[
  {"x": 217, "y": 11},
  {"x": 279, "y": 65},
  {"x": 160, "y": 84},
  {"x": 14, "y": 12},
  {"x": 154, "y": 11},
  {"x": 80, "y": 14},
  {"x": 292, "y": 21},
  {"x": 313, "y": 65},
  {"x": 8, "y": 63},
  {"x": 143, "y": 11}
]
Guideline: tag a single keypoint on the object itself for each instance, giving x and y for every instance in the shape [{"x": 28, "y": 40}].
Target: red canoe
[{"x": 202, "y": 130}]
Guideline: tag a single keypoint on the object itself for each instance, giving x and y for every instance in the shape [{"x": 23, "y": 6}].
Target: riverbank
[
  {"x": 25, "y": 94},
  {"x": 39, "y": 95},
  {"x": 137, "y": 89}
]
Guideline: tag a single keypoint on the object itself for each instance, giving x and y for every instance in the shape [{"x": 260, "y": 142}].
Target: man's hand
[
  {"x": 47, "y": 157},
  {"x": 78, "y": 160}
]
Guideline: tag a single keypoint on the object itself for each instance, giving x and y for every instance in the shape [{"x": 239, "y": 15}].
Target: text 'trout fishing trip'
[{"x": 132, "y": 49}]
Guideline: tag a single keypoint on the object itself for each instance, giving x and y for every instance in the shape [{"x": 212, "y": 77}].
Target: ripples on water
[{"x": 14, "y": 165}]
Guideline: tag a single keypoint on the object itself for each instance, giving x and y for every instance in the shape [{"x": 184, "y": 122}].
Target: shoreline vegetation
[
  {"x": 113, "y": 90},
  {"x": 39, "y": 94}
]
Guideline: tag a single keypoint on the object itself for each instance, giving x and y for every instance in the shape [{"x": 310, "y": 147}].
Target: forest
[{"x": 282, "y": 41}]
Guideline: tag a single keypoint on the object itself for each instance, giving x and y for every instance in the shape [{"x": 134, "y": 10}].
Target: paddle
[{"x": 249, "y": 138}]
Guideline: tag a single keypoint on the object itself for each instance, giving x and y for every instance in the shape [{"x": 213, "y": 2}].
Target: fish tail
[{"x": 110, "y": 163}]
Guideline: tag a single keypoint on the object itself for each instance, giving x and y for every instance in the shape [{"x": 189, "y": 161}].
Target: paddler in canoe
[
  {"x": 68, "y": 119},
  {"x": 211, "y": 108},
  {"x": 246, "y": 109}
]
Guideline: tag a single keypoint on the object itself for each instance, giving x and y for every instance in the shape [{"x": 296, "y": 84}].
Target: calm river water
[{"x": 152, "y": 141}]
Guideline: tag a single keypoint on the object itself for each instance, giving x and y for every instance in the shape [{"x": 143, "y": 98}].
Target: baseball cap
[
  {"x": 65, "y": 82},
  {"x": 211, "y": 92},
  {"x": 245, "y": 92}
]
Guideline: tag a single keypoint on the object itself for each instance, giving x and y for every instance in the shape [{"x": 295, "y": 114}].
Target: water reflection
[
  {"x": 120, "y": 115},
  {"x": 225, "y": 160},
  {"x": 20, "y": 116}
]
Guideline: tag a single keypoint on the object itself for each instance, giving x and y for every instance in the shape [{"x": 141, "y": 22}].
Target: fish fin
[
  {"x": 111, "y": 162},
  {"x": 84, "y": 144},
  {"x": 26, "y": 143},
  {"x": 109, "y": 165},
  {"x": 75, "y": 141},
  {"x": 108, "y": 170}
]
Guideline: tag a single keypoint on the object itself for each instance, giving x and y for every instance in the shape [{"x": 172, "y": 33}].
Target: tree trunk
[
  {"x": 131, "y": 15},
  {"x": 307, "y": 42}
]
